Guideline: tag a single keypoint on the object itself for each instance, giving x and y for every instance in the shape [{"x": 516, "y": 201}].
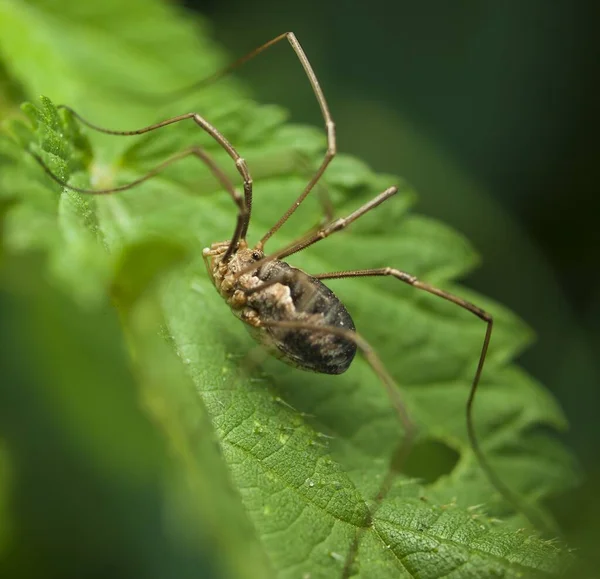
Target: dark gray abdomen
[{"x": 314, "y": 303}]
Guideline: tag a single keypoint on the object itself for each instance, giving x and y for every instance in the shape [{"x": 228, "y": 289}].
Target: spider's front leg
[{"x": 243, "y": 203}]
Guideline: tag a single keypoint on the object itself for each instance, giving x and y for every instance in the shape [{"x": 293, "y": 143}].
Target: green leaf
[{"x": 305, "y": 453}]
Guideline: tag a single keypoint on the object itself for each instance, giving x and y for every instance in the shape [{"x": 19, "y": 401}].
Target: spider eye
[{"x": 256, "y": 255}]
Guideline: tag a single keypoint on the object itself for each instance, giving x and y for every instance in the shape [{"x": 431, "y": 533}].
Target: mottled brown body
[{"x": 289, "y": 295}]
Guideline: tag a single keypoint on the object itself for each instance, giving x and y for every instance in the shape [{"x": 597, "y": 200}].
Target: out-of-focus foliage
[{"x": 126, "y": 375}]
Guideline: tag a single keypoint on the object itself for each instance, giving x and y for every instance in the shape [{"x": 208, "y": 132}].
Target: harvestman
[{"x": 292, "y": 313}]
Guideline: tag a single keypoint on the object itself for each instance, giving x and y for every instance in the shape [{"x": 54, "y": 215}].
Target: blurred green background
[{"x": 490, "y": 110}]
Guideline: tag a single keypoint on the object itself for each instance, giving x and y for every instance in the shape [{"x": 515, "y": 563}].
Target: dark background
[{"x": 490, "y": 109}]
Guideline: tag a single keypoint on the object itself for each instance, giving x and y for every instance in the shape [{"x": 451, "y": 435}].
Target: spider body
[{"x": 277, "y": 292}]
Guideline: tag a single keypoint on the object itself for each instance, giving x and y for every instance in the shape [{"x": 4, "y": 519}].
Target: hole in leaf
[{"x": 431, "y": 459}]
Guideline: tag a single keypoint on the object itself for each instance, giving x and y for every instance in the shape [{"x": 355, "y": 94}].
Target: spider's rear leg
[
  {"x": 511, "y": 497},
  {"x": 481, "y": 314},
  {"x": 403, "y": 449},
  {"x": 384, "y": 376}
]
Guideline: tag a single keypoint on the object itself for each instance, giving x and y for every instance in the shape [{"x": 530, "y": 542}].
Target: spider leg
[
  {"x": 378, "y": 367},
  {"x": 329, "y": 124},
  {"x": 244, "y": 203},
  {"x": 318, "y": 92},
  {"x": 481, "y": 314},
  {"x": 321, "y": 233},
  {"x": 403, "y": 450},
  {"x": 337, "y": 225},
  {"x": 320, "y": 189},
  {"x": 511, "y": 496}
]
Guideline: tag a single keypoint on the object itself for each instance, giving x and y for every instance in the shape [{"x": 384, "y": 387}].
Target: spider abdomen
[{"x": 298, "y": 297}]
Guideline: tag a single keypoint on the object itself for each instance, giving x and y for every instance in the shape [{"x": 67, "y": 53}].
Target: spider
[{"x": 290, "y": 312}]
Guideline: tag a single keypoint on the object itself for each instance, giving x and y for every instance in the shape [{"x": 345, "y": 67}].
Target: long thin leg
[
  {"x": 321, "y": 233},
  {"x": 326, "y": 206},
  {"x": 329, "y": 127},
  {"x": 240, "y": 163},
  {"x": 409, "y": 279},
  {"x": 401, "y": 453},
  {"x": 192, "y": 151},
  {"x": 338, "y": 224},
  {"x": 328, "y": 213},
  {"x": 327, "y": 216},
  {"x": 386, "y": 379},
  {"x": 320, "y": 190},
  {"x": 329, "y": 124}
]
